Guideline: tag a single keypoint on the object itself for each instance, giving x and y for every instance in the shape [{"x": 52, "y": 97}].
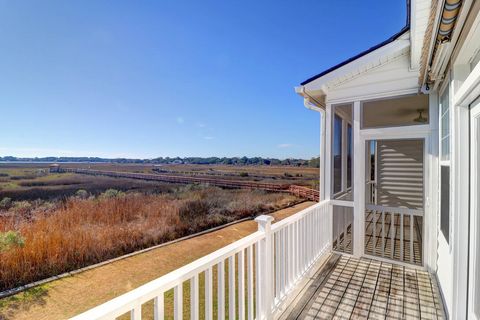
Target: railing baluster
[
  {"x": 392, "y": 234},
  {"x": 250, "y": 292},
  {"x": 241, "y": 285},
  {"x": 345, "y": 225},
  {"x": 231, "y": 288},
  {"x": 258, "y": 281},
  {"x": 194, "y": 313},
  {"x": 221, "y": 290},
  {"x": 178, "y": 301},
  {"x": 158, "y": 307},
  {"x": 136, "y": 313},
  {"x": 411, "y": 237},
  {"x": 383, "y": 233},
  {"x": 289, "y": 257},
  {"x": 282, "y": 263},
  {"x": 209, "y": 294},
  {"x": 297, "y": 249},
  {"x": 276, "y": 237},
  {"x": 374, "y": 232},
  {"x": 401, "y": 237}
]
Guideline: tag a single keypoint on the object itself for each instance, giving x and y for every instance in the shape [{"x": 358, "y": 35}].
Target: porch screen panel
[
  {"x": 400, "y": 173},
  {"x": 342, "y": 229},
  {"x": 337, "y": 154}
]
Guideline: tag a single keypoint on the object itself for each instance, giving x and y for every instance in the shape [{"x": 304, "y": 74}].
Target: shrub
[
  {"x": 6, "y": 203},
  {"x": 10, "y": 239},
  {"x": 82, "y": 194},
  {"x": 191, "y": 210},
  {"x": 22, "y": 207},
  {"x": 243, "y": 174},
  {"x": 112, "y": 193}
]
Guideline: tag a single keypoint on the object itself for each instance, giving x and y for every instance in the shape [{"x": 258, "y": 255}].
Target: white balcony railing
[{"x": 254, "y": 274}]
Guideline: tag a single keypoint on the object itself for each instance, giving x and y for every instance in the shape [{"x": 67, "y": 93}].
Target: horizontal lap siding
[{"x": 400, "y": 173}]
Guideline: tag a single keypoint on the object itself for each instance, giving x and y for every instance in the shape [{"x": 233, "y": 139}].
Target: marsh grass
[{"x": 78, "y": 232}]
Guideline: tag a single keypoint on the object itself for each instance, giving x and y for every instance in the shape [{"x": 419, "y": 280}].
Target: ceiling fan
[{"x": 420, "y": 118}]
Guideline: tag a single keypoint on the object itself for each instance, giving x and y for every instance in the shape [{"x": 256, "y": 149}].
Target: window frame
[
  {"x": 345, "y": 122},
  {"x": 445, "y": 89}
]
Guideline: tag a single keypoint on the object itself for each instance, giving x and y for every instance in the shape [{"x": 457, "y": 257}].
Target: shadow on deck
[{"x": 349, "y": 288}]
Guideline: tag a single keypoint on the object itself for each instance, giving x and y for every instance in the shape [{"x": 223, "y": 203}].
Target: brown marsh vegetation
[{"x": 42, "y": 238}]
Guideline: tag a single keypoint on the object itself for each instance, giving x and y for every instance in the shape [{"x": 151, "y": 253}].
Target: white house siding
[{"x": 400, "y": 173}]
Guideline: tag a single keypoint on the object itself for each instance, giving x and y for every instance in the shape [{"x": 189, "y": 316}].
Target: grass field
[
  {"x": 67, "y": 297},
  {"x": 56, "y": 222}
]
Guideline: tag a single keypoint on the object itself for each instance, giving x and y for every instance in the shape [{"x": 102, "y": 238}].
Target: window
[
  {"x": 445, "y": 127},
  {"x": 342, "y": 153},
  {"x": 337, "y": 154},
  {"x": 445, "y": 165},
  {"x": 445, "y": 201}
]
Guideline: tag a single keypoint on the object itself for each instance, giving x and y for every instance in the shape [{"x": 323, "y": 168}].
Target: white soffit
[
  {"x": 372, "y": 60},
  {"x": 420, "y": 13}
]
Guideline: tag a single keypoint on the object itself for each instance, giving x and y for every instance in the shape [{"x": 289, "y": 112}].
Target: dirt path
[{"x": 69, "y": 296}]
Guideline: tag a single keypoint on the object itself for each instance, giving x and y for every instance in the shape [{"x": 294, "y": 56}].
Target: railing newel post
[{"x": 266, "y": 266}]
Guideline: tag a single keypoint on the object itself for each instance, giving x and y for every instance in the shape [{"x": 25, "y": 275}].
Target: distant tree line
[{"x": 314, "y": 162}]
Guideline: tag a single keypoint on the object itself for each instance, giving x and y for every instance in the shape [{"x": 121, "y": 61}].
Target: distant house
[
  {"x": 53, "y": 168},
  {"x": 400, "y": 194}
]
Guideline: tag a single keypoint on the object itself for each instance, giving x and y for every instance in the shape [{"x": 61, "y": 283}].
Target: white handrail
[
  {"x": 415, "y": 212},
  {"x": 297, "y": 241}
]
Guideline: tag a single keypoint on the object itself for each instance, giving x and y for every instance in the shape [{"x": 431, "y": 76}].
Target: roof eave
[{"x": 358, "y": 56}]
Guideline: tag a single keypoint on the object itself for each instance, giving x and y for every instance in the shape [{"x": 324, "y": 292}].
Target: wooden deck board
[{"x": 369, "y": 289}]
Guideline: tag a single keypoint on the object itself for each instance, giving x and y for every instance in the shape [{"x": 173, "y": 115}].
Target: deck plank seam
[
  {"x": 389, "y": 291},
  {"x": 359, "y": 291},
  {"x": 374, "y": 290},
  {"x": 330, "y": 289},
  {"x": 346, "y": 289}
]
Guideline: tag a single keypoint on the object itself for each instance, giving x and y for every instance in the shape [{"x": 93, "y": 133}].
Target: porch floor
[{"x": 349, "y": 288}]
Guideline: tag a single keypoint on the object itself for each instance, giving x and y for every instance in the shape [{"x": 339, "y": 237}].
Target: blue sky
[{"x": 143, "y": 79}]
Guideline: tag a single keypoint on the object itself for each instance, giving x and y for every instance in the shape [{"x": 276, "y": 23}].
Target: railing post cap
[{"x": 264, "y": 219}]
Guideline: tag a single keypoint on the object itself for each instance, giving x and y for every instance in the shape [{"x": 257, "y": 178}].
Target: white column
[
  {"x": 431, "y": 190},
  {"x": 327, "y": 173},
  {"x": 460, "y": 208},
  {"x": 358, "y": 183},
  {"x": 322, "y": 155}
]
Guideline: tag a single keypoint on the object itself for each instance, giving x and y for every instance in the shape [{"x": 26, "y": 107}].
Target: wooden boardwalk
[
  {"x": 349, "y": 288},
  {"x": 299, "y": 191}
]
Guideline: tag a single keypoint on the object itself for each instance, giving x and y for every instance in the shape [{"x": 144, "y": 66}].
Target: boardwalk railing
[
  {"x": 299, "y": 191},
  {"x": 304, "y": 192},
  {"x": 248, "y": 279}
]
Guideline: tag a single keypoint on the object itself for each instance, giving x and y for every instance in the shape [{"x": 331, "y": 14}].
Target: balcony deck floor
[{"x": 349, "y": 288}]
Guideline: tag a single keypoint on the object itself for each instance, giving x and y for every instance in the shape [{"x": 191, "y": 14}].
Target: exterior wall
[{"x": 453, "y": 270}]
